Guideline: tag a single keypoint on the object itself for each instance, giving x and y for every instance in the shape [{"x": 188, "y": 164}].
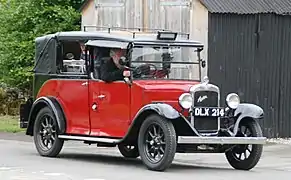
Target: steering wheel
[{"x": 145, "y": 71}]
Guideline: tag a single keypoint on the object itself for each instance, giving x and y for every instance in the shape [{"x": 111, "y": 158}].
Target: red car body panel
[
  {"x": 117, "y": 109},
  {"x": 111, "y": 118},
  {"x": 73, "y": 96},
  {"x": 165, "y": 91}
]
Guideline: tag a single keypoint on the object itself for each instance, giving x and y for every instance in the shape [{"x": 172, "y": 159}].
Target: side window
[
  {"x": 100, "y": 55},
  {"x": 71, "y": 58}
]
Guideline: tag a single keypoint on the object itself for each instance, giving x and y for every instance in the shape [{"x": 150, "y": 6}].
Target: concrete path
[{"x": 19, "y": 161}]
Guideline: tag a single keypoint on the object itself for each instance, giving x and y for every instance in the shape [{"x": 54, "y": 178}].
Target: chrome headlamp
[
  {"x": 232, "y": 100},
  {"x": 186, "y": 100}
]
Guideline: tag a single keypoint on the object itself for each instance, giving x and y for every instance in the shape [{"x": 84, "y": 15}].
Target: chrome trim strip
[
  {"x": 204, "y": 87},
  {"x": 221, "y": 140},
  {"x": 94, "y": 139}
]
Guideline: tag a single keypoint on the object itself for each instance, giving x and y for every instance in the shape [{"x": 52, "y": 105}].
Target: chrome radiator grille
[{"x": 206, "y": 99}]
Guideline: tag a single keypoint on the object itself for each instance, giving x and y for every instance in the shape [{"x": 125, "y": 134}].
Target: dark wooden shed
[{"x": 249, "y": 52}]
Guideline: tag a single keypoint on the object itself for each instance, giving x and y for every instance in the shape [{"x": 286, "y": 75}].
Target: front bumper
[{"x": 221, "y": 140}]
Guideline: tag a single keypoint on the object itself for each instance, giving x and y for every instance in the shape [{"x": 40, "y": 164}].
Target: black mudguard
[
  {"x": 245, "y": 110},
  {"x": 55, "y": 107},
  {"x": 162, "y": 109}
]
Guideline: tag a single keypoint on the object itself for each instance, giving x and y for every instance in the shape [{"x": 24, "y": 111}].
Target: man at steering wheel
[{"x": 111, "y": 70}]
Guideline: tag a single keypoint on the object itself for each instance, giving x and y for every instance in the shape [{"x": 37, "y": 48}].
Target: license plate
[{"x": 211, "y": 112}]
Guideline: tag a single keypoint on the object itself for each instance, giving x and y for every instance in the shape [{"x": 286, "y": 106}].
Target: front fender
[
  {"x": 162, "y": 109},
  {"x": 247, "y": 110},
  {"x": 55, "y": 107}
]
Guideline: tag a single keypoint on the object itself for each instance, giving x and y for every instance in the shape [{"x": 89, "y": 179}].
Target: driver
[{"x": 111, "y": 70}]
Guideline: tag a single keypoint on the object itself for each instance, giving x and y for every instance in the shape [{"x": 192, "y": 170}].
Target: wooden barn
[{"x": 247, "y": 44}]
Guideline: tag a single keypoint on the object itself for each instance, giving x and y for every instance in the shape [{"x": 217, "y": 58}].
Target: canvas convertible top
[{"x": 46, "y": 46}]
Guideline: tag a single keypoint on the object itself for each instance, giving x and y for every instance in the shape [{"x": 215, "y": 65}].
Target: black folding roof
[
  {"x": 85, "y": 36},
  {"x": 45, "y": 55}
]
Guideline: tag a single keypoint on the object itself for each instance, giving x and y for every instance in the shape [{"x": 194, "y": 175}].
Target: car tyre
[
  {"x": 128, "y": 151},
  {"x": 248, "y": 128},
  {"x": 45, "y": 133},
  {"x": 157, "y": 138}
]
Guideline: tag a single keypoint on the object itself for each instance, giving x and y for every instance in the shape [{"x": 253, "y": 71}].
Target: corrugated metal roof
[{"x": 248, "y": 6}]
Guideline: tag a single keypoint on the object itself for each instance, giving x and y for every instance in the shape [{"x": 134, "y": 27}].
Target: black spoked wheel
[
  {"x": 128, "y": 151},
  {"x": 45, "y": 134},
  {"x": 246, "y": 157},
  {"x": 157, "y": 143}
]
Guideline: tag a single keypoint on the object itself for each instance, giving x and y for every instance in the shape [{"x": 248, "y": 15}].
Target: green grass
[{"x": 10, "y": 124}]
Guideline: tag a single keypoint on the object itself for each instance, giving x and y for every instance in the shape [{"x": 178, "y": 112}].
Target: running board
[
  {"x": 221, "y": 140},
  {"x": 93, "y": 139},
  {"x": 181, "y": 140}
]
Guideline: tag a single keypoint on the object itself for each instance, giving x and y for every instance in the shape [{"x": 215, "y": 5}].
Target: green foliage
[
  {"x": 23, "y": 21},
  {"x": 10, "y": 124},
  {"x": 73, "y": 3},
  {"x": 10, "y": 100}
]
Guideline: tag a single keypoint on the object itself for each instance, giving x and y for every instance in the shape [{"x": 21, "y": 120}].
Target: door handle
[
  {"x": 85, "y": 84},
  {"x": 101, "y": 96}
]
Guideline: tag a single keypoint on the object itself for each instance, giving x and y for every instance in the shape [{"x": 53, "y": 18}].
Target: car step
[{"x": 93, "y": 139}]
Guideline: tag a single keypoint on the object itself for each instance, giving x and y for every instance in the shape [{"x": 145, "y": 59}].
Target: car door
[
  {"x": 72, "y": 87},
  {"x": 114, "y": 108},
  {"x": 109, "y": 107},
  {"x": 109, "y": 102},
  {"x": 73, "y": 95}
]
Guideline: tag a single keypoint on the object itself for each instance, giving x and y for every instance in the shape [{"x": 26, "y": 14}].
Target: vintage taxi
[{"x": 170, "y": 108}]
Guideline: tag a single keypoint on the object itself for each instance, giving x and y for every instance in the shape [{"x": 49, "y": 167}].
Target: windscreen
[{"x": 173, "y": 63}]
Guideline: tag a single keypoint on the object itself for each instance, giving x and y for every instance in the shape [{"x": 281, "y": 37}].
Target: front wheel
[
  {"x": 157, "y": 142},
  {"x": 45, "y": 134},
  {"x": 245, "y": 157}
]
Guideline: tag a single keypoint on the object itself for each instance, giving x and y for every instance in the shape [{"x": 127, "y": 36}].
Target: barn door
[
  {"x": 110, "y": 13},
  {"x": 168, "y": 14},
  {"x": 119, "y": 13}
]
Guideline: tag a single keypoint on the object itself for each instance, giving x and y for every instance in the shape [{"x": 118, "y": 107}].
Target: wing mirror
[{"x": 203, "y": 63}]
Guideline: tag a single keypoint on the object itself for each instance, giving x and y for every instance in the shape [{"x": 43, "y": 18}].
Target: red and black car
[{"x": 164, "y": 107}]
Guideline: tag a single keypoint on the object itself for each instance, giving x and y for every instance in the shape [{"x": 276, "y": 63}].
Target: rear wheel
[
  {"x": 157, "y": 142},
  {"x": 245, "y": 157},
  {"x": 128, "y": 151},
  {"x": 45, "y": 134}
]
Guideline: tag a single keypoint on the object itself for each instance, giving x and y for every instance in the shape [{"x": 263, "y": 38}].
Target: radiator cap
[{"x": 205, "y": 80}]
